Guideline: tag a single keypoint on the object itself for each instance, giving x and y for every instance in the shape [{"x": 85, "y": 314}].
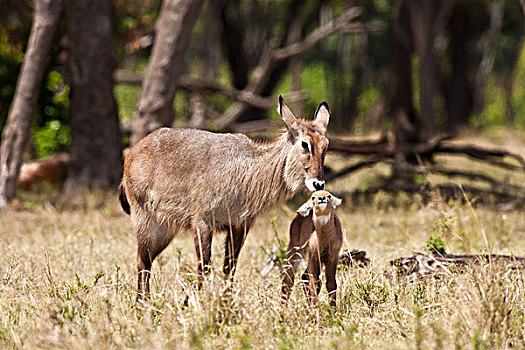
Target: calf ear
[
  {"x": 336, "y": 202},
  {"x": 305, "y": 209}
]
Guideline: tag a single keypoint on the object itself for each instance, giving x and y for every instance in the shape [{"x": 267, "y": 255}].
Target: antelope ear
[
  {"x": 305, "y": 209},
  {"x": 322, "y": 115},
  {"x": 336, "y": 201},
  {"x": 288, "y": 117}
]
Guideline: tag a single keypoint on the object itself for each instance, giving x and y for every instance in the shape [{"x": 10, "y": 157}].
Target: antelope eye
[
  {"x": 305, "y": 146},
  {"x": 329, "y": 197},
  {"x": 313, "y": 198}
]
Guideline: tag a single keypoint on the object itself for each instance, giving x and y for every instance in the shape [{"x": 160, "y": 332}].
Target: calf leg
[
  {"x": 312, "y": 276},
  {"x": 331, "y": 283}
]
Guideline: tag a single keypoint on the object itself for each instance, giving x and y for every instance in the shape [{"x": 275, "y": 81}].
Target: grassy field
[{"x": 68, "y": 278}]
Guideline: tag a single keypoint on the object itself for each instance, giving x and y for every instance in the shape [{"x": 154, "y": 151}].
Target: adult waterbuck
[{"x": 193, "y": 179}]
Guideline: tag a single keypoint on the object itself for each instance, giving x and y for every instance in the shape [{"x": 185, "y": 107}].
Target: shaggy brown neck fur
[{"x": 264, "y": 182}]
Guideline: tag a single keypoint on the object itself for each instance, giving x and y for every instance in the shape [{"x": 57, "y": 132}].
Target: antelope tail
[{"x": 123, "y": 200}]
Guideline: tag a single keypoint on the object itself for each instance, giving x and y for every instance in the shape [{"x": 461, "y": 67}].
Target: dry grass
[{"x": 67, "y": 280}]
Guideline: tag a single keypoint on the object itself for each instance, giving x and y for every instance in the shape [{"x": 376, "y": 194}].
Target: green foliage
[
  {"x": 367, "y": 99},
  {"x": 436, "y": 244},
  {"x": 442, "y": 226},
  {"x": 372, "y": 294},
  {"x": 313, "y": 80},
  {"x": 417, "y": 177},
  {"x": 52, "y": 138},
  {"x": 10, "y": 63},
  {"x": 51, "y": 132},
  {"x": 518, "y": 93},
  {"x": 127, "y": 97},
  {"x": 494, "y": 112}
]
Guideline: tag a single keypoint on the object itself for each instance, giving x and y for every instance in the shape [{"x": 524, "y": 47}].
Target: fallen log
[
  {"x": 52, "y": 169},
  {"x": 420, "y": 265},
  {"x": 354, "y": 257}
]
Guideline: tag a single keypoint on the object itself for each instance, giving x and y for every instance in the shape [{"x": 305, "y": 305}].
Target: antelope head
[
  {"x": 305, "y": 159},
  {"x": 322, "y": 203}
]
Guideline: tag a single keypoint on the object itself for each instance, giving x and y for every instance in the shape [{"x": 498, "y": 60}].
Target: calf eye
[{"x": 305, "y": 146}]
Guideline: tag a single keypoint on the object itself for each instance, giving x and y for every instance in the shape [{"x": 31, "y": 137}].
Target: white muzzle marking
[{"x": 323, "y": 205}]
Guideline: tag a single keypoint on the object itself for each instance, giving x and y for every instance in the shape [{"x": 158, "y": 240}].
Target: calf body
[
  {"x": 205, "y": 182},
  {"x": 315, "y": 235}
]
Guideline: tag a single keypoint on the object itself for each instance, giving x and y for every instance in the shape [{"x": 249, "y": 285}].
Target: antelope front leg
[
  {"x": 331, "y": 283},
  {"x": 202, "y": 238},
  {"x": 232, "y": 248}
]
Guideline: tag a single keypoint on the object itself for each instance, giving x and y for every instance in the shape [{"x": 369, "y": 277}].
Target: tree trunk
[
  {"x": 458, "y": 93},
  {"x": 16, "y": 130},
  {"x": 96, "y": 149},
  {"x": 165, "y": 66},
  {"x": 488, "y": 54},
  {"x": 399, "y": 89},
  {"x": 423, "y": 17}
]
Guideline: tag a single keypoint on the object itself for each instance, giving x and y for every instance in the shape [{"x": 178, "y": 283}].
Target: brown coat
[
  {"x": 315, "y": 235},
  {"x": 193, "y": 179}
]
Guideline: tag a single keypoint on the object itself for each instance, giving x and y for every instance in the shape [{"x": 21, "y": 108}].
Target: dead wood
[
  {"x": 383, "y": 147},
  {"x": 353, "y": 257},
  {"x": 52, "y": 169},
  {"x": 250, "y": 96},
  {"x": 199, "y": 85},
  {"x": 507, "y": 200},
  {"x": 354, "y": 167},
  {"x": 420, "y": 265},
  {"x": 273, "y": 55}
]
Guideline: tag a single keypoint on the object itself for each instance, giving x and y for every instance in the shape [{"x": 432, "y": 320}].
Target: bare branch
[
  {"x": 316, "y": 35},
  {"x": 202, "y": 85},
  {"x": 351, "y": 169},
  {"x": 465, "y": 174},
  {"x": 273, "y": 55},
  {"x": 379, "y": 147},
  {"x": 361, "y": 28},
  {"x": 486, "y": 155},
  {"x": 254, "y": 126}
]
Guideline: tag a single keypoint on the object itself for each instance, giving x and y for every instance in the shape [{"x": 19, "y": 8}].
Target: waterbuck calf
[
  {"x": 315, "y": 235},
  {"x": 193, "y": 179}
]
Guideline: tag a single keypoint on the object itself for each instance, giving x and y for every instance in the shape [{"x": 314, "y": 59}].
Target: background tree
[
  {"x": 409, "y": 69},
  {"x": 173, "y": 29},
  {"x": 16, "y": 132},
  {"x": 96, "y": 149}
]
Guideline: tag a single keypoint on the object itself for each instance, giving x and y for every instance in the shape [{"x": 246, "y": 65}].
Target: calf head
[{"x": 321, "y": 203}]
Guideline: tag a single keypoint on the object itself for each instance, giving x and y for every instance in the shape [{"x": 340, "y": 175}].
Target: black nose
[
  {"x": 318, "y": 185},
  {"x": 322, "y": 199}
]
